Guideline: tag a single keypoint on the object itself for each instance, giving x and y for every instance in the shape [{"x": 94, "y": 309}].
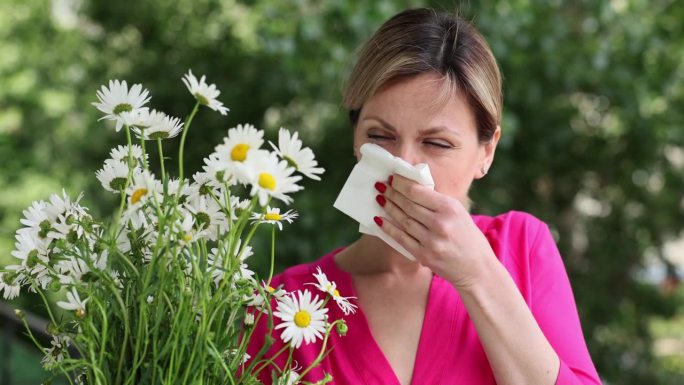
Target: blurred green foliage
[{"x": 592, "y": 137}]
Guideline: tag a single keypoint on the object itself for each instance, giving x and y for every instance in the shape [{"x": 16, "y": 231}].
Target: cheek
[
  {"x": 358, "y": 141},
  {"x": 453, "y": 179}
]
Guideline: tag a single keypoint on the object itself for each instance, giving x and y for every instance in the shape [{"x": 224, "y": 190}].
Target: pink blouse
[{"x": 449, "y": 350}]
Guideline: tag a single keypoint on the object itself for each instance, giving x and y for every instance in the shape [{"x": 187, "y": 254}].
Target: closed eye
[
  {"x": 439, "y": 144},
  {"x": 379, "y": 137}
]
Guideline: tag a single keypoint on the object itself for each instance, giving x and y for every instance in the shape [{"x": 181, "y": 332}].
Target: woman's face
[{"x": 403, "y": 118}]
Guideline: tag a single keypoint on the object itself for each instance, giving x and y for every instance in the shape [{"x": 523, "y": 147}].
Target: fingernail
[
  {"x": 380, "y": 187},
  {"x": 381, "y": 200},
  {"x": 378, "y": 221},
  {"x": 390, "y": 179}
]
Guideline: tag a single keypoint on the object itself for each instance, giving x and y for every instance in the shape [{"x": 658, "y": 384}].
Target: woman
[{"x": 488, "y": 299}]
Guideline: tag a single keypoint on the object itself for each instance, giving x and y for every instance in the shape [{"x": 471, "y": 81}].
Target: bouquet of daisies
[{"x": 162, "y": 294}]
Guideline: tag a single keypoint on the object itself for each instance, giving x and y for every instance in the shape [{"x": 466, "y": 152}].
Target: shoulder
[
  {"x": 514, "y": 236},
  {"x": 513, "y": 223},
  {"x": 524, "y": 245}
]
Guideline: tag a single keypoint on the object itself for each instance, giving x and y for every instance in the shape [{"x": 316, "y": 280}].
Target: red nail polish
[
  {"x": 380, "y": 187},
  {"x": 381, "y": 200},
  {"x": 378, "y": 221},
  {"x": 390, "y": 179}
]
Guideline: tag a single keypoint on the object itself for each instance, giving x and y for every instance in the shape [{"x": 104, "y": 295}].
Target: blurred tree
[{"x": 591, "y": 143}]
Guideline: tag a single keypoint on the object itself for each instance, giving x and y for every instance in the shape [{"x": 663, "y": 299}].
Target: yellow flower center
[
  {"x": 187, "y": 237},
  {"x": 138, "y": 194},
  {"x": 123, "y": 107},
  {"x": 302, "y": 318},
  {"x": 273, "y": 217},
  {"x": 335, "y": 293},
  {"x": 270, "y": 289},
  {"x": 239, "y": 152},
  {"x": 80, "y": 313},
  {"x": 267, "y": 181}
]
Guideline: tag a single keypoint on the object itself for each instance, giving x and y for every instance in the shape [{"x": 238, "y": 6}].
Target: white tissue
[{"x": 357, "y": 198}]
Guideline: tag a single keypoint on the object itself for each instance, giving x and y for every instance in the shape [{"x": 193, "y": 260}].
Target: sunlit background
[{"x": 593, "y": 133}]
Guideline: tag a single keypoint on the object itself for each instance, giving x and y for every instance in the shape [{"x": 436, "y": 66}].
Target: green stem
[
  {"x": 145, "y": 166},
  {"x": 161, "y": 165},
  {"x": 104, "y": 331},
  {"x": 270, "y": 361},
  {"x": 188, "y": 122},
  {"x": 128, "y": 180},
  {"x": 270, "y": 272},
  {"x": 320, "y": 354}
]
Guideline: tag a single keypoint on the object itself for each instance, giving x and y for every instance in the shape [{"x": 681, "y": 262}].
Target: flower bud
[
  {"x": 52, "y": 329},
  {"x": 327, "y": 379},
  {"x": 249, "y": 319},
  {"x": 55, "y": 286},
  {"x": 342, "y": 328}
]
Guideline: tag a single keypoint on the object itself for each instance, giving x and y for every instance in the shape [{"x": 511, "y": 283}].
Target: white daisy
[
  {"x": 240, "y": 204},
  {"x": 325, "y": 285},
  {"x": 113, "y": 175},
  {"x": 75, "y": 270},
  {"x": 116, "y": 279},
  {"x": 205, "y": 94},
  {"x": 244, "y": 273},
  {"x": 270, "y": 177},
  {"x": 57, "y": 352},
  {"x": 152, "y": 125},
  {"x": 219, "y": 171},
  {"x": 120, "y": 153},
  {"x": 67, "y": 217},
  {"x": 203, "y": 186},
  {"x": 186, "y": 230},
  {"x": 174, "y": 188},
  {"x": 34, "y": 255},
  {"x": 118, "y": 102},
  {"x": 145, "y": 225},
  {"x": 74, "y": 303},
  {"x": 249, "y": 319},
  {"x": 142, "y": 188},
  {"x": 11, "y": 280},
  {"x": 63, "y": 206},
  {"x": 242, "y": 144},
  {"x": 143, "y": 234},
  {"x": 288, "y": 377},
  {"x": 304, "y": 319},
  {"x": 216, "y": 265},
  {"x": 274, "y": 217},
  {"x": 209, "y": 218},
  {"x": 257, "y": 300},
  {"x": 229, "y": 354},
  {"x": 36, "y": 218},
  {"x": 302, "y": 159}
]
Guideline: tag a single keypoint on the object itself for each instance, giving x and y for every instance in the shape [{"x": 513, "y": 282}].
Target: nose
[{"x": 409, "y": 152}]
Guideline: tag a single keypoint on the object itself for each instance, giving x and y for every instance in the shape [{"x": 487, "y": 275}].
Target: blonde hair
[{"x": 422, "y": 40}]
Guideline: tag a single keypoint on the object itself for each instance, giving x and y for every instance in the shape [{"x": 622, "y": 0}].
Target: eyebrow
[{"x": 426, "y": 131}]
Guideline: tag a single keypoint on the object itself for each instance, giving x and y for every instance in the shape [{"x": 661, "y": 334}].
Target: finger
[
  {"x": 403, "y": 238},
  {"x": 418, "y": 212},
  {"x": 404, "y": 221},
  {"x": 416, "y": 192}
]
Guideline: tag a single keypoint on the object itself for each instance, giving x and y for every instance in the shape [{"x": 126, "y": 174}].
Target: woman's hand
[{"x": 436, "y": 229}]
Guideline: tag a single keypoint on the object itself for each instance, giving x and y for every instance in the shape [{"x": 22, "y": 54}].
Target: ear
[{"x": 487, "y": 154}]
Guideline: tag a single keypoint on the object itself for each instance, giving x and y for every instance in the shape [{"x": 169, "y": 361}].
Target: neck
[{"x": 371, "y": 255}]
